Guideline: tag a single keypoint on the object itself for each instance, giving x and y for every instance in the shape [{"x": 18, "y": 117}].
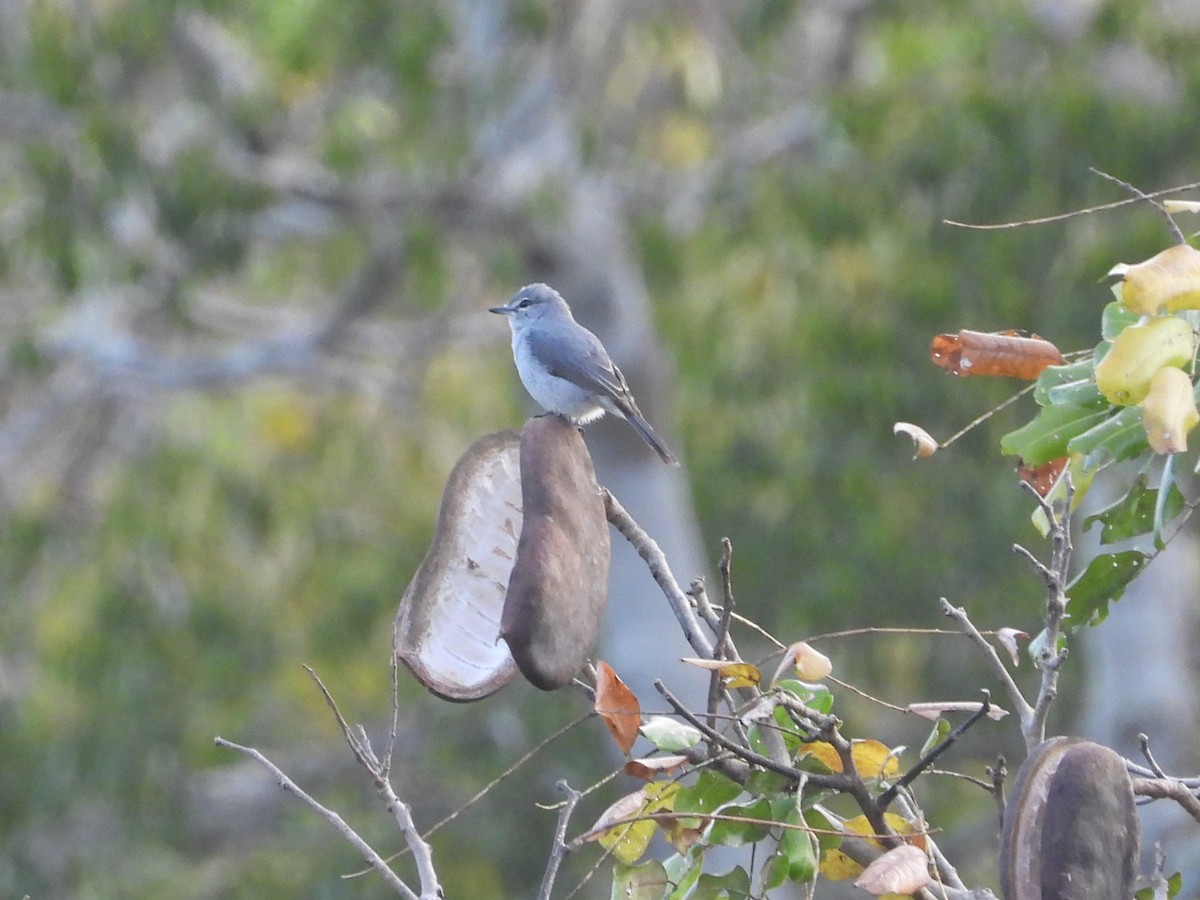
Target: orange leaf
[
  {"x": 1042, "y": 477},
  {"x": 1005, "y": 353},
  {"x": 617, "y": 706}
]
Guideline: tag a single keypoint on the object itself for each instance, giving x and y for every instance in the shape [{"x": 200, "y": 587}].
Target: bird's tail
[{"x": 634, "y": 417}]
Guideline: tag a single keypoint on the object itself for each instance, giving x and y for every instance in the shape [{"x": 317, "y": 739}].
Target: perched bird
[{"x": 564, "y": 366}]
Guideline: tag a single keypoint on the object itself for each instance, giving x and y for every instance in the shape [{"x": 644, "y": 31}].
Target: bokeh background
[{"x": 246, "y": 250}]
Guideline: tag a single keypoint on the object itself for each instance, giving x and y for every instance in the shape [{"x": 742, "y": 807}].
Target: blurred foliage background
[{"x": 245, "y": 252}]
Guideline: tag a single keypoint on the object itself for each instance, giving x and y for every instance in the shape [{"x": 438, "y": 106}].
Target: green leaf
[
  {"x": 1076, "y": 393},
  {"x": 826, "y": 839},
  {"x": 1119, "y": 437},
  {"x": 941, "y": 728},
  {"x": 1046, "y": 437},
  {"x": 775, "y": 872},
  {"x": 1162, "y": 508},
  {"x": 733, "y": 885},
  {"x": 711, "y": 791},
  {"x": 815, "y": 696},
  {"x": 1134, "y": 513},
  {"x": 738, "y": 834},
  {"x": 669, "y": 735},
  {"x": 1054, "y": 377},
  {"x": 1102, "y": 582},
  {"x": 797, "y": 846},
  {"x": 645, "y": 881},
  {"x": 1115, "y": 319},
  {"x": 760, "y": 783},
  {"x": 684, "y": 871}
]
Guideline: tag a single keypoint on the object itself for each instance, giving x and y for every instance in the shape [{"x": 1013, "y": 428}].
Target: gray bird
[{"x": 564, "y": 366}]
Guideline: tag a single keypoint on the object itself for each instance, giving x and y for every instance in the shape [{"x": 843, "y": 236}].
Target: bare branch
[
  {"x": 360, "y": 746},
  {"x": 560, "y": 848},
  {"x": 368, "y": 853},
  {"x": 928, "y": 759},
  {"x": 649, "y": 551},
  {"x": 1176, "y": 234},
  {"x": 1168, "y": 789},
  {"x": 1016, "y": 698},
  {"x": 1045, "y": 220}
]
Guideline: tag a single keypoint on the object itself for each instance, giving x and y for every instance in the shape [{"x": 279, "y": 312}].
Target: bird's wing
[{"x": 576, "y": 355}]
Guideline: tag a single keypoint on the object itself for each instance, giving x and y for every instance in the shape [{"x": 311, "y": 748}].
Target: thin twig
[
  {"x": 487, "y": 788},
  {"x": 1045, "y": 220},
  {"x": 928, "y": 759},
  {"x": 368, "y": 853},
  {"x": 1176, "y": 233},
  {"x": 1055, "y": 577},
  {"x": 559, "y": 849},
  {"x": 1144, "y": 743},
  {"x": 649, "y": 551},
  {"x": 834, "y": 782},
  {"x": 700, "y": 596},
  {"x": 1016, "y": 698},
  {"x": 360, "y": 746}
]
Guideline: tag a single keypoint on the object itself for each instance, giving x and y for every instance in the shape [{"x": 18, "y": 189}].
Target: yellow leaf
[
  {"x": 823, "y": 752},
  {"x": 1137, "y": 353},
  {"x": 871, "y": 758},
  {"x": 837, "y": 866},
  {"x": 736, "y": 674},
  {"x": 1168, "y": 280},
  {"x": 1169, "y": 411},
  {"x": 628, "y": 840}
]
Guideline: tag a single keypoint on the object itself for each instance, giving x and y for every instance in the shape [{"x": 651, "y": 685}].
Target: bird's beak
[{"x": 500, "y": 310}]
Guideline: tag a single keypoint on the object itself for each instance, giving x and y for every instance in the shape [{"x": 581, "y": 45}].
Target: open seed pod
[{"x": 448, "y": 626}]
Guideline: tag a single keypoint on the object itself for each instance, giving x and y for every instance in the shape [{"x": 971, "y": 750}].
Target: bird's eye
[{"x": 524, "y": 303}]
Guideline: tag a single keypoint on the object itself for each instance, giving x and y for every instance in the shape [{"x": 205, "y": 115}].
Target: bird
[{"x": 565, "y": 368}]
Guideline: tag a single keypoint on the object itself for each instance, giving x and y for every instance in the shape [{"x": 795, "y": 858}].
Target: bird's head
[{"x": 533, "y": 303}]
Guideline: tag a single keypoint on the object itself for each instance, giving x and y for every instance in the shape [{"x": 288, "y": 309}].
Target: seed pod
[{"x": 1070, "y": 826}]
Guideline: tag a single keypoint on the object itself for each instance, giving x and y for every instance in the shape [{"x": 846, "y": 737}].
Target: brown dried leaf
[
  {"x": 924, "y": 445},
  {"x": 1043, "y": 477},
  {"x": 617, "y": 706},
  {"x": 902, "y": 870},
  {"x": 650, "y": 767},
  {"x": 1006, "y": 353},
  {"x": 1008, "y": 640}
]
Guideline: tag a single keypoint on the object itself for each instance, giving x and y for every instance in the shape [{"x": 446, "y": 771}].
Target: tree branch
[{"x": 368, "y": 853}]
